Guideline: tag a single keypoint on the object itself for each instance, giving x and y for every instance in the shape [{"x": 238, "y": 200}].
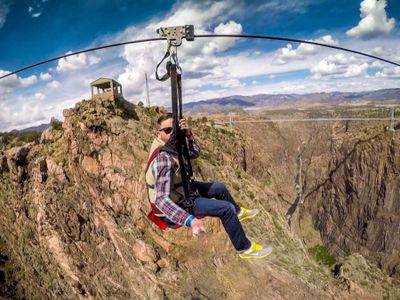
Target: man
[{"x": 212, "y": 199}]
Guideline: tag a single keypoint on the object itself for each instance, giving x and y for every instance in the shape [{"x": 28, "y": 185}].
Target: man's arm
[{"x": 162, "y": 183}]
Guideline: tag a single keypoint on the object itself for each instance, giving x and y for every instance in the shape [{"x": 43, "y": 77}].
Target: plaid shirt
[{"x": 162, "y": 169}]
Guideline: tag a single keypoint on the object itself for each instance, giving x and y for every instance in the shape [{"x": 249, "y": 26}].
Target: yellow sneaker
[
  {"x": 245, "y": 213},
  {"x": 256, "y": 251}
]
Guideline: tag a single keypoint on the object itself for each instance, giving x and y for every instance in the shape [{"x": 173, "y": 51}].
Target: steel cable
[{"x": 250, "y": 36}]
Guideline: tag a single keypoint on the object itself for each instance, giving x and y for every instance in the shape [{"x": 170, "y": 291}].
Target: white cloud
[
  {"x": 374, "y": 20},
  {"x": 33, "y": 13},
  {"x": 219, "y": 45},
  {"x": 339, "y": 66},
  {"x": 378, "y": 64},
  {"x": 326, "y": 84},
  {"x": 76, "y": 62},
  {"x": 4, "y": 10},
  {"x": 39, "y": 96},
  {"x": 35, "y": 10},
  {"x": 45, "y": 76},
  {"x": 356, "y": 70},
  {"x": 377, "y": 51},
  {"x": 230, "y": 27},
  {"x": 92, "y": 60},
  {"x": 54, "y": 84},
  {"x": 9, "y": 82},
  {"x": 324, "y": 67},
  {"x": 288, "y": 53},
  {"x": 247, "y": 64},
  {"x": 278, "y": 6},
  {"x": 389, "y": 72},
  {"x": 199, "y": 13},
  {"x": 29, "y": 112},
  {"x": 27, "y": 81}
]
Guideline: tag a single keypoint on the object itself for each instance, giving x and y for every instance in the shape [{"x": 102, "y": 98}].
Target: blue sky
[{"x": 36, "y": 30}]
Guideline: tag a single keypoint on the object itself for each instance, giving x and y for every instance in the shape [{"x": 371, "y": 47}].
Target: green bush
[
  {"x": 29, "y": 136},
  {"x": 56, "y": 124},
  {"x": 321, "y": 255},
  {"x": 15, "y": 138}
]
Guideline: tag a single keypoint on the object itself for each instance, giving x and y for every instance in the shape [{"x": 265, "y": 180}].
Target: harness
[
  {"x": 161, "y": 222},
  {"x": 154, "y": 215}
]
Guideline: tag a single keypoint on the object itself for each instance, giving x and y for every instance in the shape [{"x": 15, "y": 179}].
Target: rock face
[
  {"x": 356, "y": 205},
  {"x": 74, "y": 219}
]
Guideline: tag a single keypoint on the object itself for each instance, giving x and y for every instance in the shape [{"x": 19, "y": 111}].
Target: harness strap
[
  {"x": 176, "y": 185},
  {"x": 176, "y": 94},
  {"x": 162, "y": 222},
  {"x": 185, "y": 151},
  {"x": 166, "y": 75},
  {"x": 152, "y": 157},
  {"x": 155, "y": 215}
]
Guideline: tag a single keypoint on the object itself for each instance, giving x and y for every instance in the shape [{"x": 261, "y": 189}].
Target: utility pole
[
  {"x": 392, "y": 118},
  {"x": 299, "y": 184},
  {"x": 230, "y": 120},
  {"x": 147, "y": 91}
]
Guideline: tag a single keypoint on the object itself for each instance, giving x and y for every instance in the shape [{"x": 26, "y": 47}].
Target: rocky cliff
[
  {"x": 355, "y": 202},
  {"x": 73, "y": 223}
]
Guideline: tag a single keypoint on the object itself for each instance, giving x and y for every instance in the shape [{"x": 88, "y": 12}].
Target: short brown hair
[{"x": 164, "y": 116}]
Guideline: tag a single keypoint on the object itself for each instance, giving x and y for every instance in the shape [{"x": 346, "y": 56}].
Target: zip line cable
[
  {"x": 277, "y": 38},
  {"x": 249, "y": 36},
  {"x": 80, "y": 52}
]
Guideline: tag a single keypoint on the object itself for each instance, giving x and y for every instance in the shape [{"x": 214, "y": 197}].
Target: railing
[{"x": 391, "y": 119}]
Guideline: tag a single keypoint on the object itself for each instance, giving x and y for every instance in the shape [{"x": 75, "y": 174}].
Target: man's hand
[
  {"x": 198, "y": 228},
  {"x": 183, "y": 124}
]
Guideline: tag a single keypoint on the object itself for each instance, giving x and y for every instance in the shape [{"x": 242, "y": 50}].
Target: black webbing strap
[
  {"x": 185, "y": 153},
  {"x": 166, "y": 75},
  {"x": 176, "y": 94}
]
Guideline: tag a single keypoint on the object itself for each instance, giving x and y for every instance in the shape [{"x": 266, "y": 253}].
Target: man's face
[{"x": 165, "y": 130}]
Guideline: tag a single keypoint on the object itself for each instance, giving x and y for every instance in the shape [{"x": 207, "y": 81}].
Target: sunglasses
[{"x": 167, "y": 130}]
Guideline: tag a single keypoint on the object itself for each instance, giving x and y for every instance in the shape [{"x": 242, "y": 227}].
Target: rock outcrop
[{"x": 355, "y": 204}]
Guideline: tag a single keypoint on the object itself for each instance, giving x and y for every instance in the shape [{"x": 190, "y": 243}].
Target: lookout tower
[{"x": 106, "y": 88}]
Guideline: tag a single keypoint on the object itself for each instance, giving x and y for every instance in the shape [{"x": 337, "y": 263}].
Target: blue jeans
[{"x": 223, "y": 207}]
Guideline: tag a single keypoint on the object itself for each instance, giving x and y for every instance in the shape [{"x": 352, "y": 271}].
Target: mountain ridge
[{"x": 375, "y": 97}]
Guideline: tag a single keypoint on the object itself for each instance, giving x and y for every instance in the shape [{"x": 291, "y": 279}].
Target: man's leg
[
  {"x": 226, "y": 211},
  {"x": 217, "y": 190}
]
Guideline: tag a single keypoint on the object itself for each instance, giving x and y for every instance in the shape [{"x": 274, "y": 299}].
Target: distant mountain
[
  {"x": 294, "y": 100},
  {"x": 241, "y": 101},
  {"x": 40, "y": 128},
  {"x": 385, "y": 94}
]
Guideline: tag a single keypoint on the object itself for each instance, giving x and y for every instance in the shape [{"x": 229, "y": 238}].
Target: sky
[{"x": 36, "y": 30}]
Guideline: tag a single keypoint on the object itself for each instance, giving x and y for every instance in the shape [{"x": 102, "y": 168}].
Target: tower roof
[{"x": 103, "y": 82}]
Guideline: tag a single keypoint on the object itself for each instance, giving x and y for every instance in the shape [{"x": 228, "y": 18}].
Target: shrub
[
  {"x": 322, "y": 256},
  {"x": 55, "y": 124}
]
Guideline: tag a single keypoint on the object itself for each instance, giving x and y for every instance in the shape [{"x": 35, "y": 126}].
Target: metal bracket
[{"x": 175, "y": 34}]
